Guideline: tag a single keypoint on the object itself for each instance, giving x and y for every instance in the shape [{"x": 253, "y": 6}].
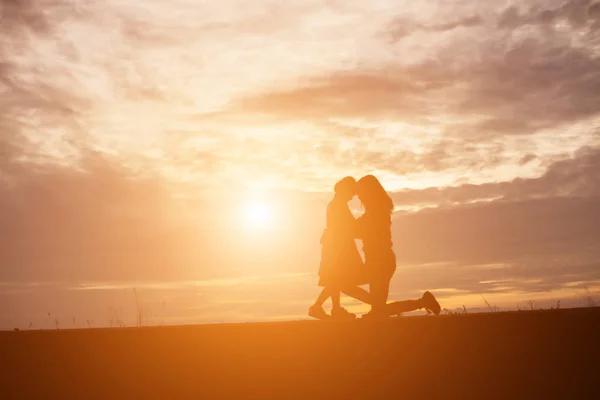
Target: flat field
[{"x": 525, "y": 354}]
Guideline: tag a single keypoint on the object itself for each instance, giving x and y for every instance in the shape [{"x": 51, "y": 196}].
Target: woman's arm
[{"x": 340, "y": 222}]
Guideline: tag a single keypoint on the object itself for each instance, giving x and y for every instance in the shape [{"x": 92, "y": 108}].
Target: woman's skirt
[{"x": 342, "y": 265}]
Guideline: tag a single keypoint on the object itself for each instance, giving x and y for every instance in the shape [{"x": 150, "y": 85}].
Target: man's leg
[
  {"x": 380, "y": 288},
  {"x": 385, "y": 291},
  {"x": 358, "y": 293},
  {"x": 379, "y": 293}
]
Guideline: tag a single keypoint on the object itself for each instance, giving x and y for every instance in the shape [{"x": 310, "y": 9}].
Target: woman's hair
[
  {"x": 347, "y": 184},
  {"x": 373, "y": 195}
]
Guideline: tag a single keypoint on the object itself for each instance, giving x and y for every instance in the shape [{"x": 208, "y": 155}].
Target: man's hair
[{"x": 347, "y": 183}]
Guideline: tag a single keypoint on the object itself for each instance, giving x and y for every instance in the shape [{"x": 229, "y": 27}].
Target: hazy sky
[{"x": 137, "y": 136}]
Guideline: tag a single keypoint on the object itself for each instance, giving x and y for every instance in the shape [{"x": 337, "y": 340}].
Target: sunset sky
[{"x": 189, "y": 149}]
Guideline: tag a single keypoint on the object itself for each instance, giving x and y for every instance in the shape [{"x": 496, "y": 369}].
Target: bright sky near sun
[{"x": 258, "y": 215}]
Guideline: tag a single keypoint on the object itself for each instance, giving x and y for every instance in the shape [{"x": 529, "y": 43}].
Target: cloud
[
  {"x": 99, "y": 222},
  {"x": 572, "y": 177},
  {"x": 294, "y": 99},
  {"x": 533, "y": 249},
  {"x": 573, "y": 12},
  {"x": 477, "y": 104},
  {"x": 504, "y": 85},
  {"x": 403, "y": 26}
]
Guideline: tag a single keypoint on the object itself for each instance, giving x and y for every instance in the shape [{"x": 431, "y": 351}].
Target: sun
[{"x": 258, "y": 216}]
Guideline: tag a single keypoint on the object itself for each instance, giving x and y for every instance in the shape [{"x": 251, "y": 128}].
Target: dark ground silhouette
[{"x": 528, "y": 354}]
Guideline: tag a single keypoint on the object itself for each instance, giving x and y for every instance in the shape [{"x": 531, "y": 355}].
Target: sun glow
[{"x": 258, "y": 216}]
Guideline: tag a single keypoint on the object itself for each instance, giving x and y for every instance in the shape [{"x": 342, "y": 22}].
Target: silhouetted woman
[
  {"x": 374, "y": 228},
  {"x": 341, "y": 263}
]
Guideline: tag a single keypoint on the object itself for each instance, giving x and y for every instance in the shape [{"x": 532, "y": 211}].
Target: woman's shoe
[
  {"x": 317, "y": 312},
  {"x": 341, "y": 313},
  {"x": 430, "y": 304}
]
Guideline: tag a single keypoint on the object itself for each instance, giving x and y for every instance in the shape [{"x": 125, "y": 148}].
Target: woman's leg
[
  {"x": 337, "y": 311},
  {"x": 427, "y": 301},
  {"x": 380, "y": 287},
  {"x": 322, "y": 298},
  {"x": 399, "y": 307}
]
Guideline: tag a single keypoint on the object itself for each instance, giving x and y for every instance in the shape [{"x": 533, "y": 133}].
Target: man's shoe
[
  {"x": 430, "y": 304},
  {"x": 341, "y": 313}
]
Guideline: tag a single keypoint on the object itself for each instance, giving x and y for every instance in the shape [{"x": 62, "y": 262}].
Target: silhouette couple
[{"x": 342, "y": 269}]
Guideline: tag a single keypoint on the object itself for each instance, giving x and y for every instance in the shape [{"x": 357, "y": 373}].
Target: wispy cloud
[{"x": 208, "y": 92}]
